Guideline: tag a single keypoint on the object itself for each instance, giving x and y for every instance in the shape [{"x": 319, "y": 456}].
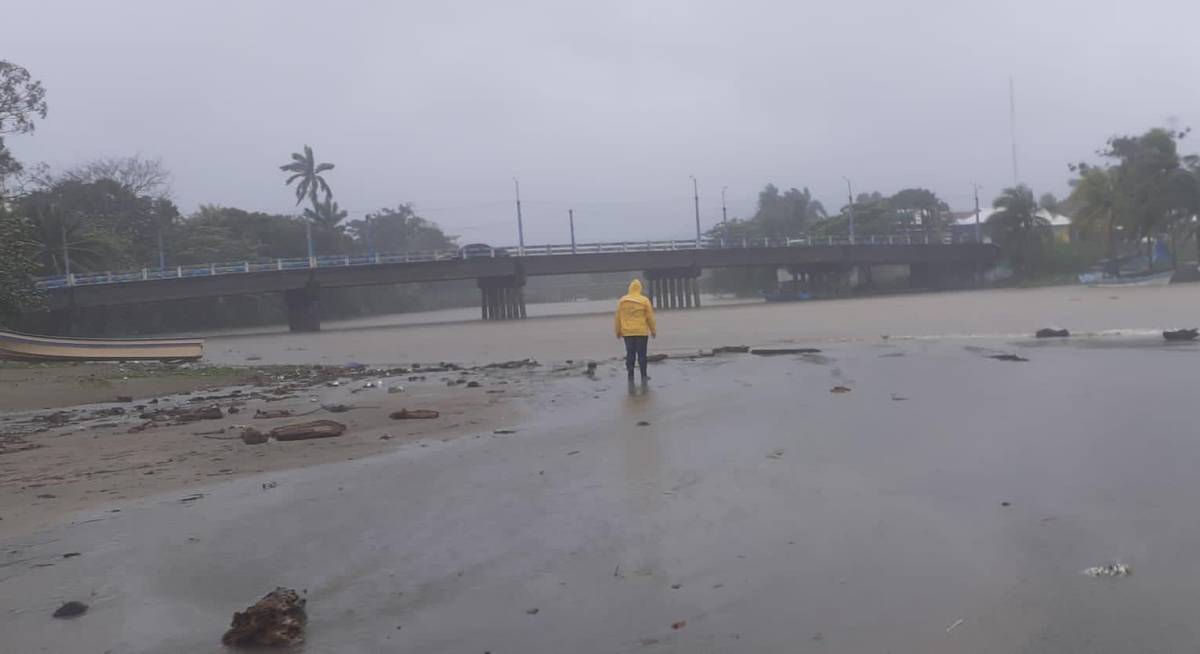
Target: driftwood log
[
  {"x": 414, "y": 414},
  {"x": 306, "y": 430}
]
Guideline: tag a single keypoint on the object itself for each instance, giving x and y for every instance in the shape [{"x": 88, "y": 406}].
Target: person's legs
[
  {"x": 630, "y": 353},
  {"x": 643, "y": 343}
]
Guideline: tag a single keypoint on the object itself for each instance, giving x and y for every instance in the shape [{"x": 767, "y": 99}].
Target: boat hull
[
  {"x": 1099, "y": 281},
  {"x": 28, "y": 347}
]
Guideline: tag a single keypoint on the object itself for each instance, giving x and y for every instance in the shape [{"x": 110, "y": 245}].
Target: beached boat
[
  {"x": 1146, "y": 279},
  {"x": 27, "y": 347},
  {"x": 786, "y": 296}
]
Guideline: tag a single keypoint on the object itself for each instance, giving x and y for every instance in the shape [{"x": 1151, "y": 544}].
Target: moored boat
[
  {"x": 15, "y": 346},
  {"x": 1147, "y": 279}
]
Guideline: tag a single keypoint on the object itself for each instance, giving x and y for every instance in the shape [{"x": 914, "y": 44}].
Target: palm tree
[
  {"x": 1096, "y": 198},
  {"x": 304, "y": 167},
  {"x": 326, "y": 215},
  {"x": 1017, "y": 227}
]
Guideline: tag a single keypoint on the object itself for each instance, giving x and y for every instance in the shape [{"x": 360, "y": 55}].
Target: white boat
[
  {"x": 28, "y": 347},
  {"x": 1097, "y": 279}
]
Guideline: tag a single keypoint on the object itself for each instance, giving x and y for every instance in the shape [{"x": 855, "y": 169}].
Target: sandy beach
[{"x": 907, "y": 494}]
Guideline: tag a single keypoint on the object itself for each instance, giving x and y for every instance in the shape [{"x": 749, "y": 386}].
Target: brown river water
[{"x": 949, "y": 502}]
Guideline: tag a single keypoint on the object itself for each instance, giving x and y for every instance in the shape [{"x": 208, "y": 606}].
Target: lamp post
[
  {"x": 520, "y": 223},
  {"x": 850, "y": 207},
  {"x": 696, "y": 200}
]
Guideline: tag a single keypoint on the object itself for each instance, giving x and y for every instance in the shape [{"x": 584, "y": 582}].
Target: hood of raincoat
[{"x": 635, "y": 293}]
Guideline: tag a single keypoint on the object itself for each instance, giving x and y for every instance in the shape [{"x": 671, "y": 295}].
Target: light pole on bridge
[
  {"x": 520, "y": 224},
  {"x": 850, "y": 207},
  {"x": 696, "y": 199}
]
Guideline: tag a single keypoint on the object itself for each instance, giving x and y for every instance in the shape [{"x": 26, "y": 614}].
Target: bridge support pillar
[
  {"x": 502, "y": 298},
  {"x": 304, "y": 308},
  {"x": 675, "y": 288}
]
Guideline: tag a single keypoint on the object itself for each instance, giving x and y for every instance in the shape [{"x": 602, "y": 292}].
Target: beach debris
[
  {"x": 252, "y": 436},
  {"x": 46, "y": 496},
  {"x": 643, "y": 423},
  {"x": 775, "y": 351},
  {"x": 192, "y": 498},
  {"x": 70, "y": 555},
  {"x": 414, "y": 414},
  {"x": 266, "y": 414},
  {"x": 572, "y": 452},
  {"x": 385, "y": 437},
  {"x": 956, "y": 623},
  {"x": 306, "y": 430},
  {"x": 656, "y": 358},
  {"x": 275, "y": 620},
  {"x": 269, "y": 485},
  {"x": 205, "y": 413},
  {"x": 532, "y": 611},
  {"x": 337, "y": 408},
  {"x": 1007, "y": 357},
  {"x": 679, "y": 625},
  {"x": 504, "y": 431},
  {"x": 392, "y": 390},
  {"x": 898, "y": 398},
  {"x": 72, "y": 609},
  {"x": 840, "y": 389},
  {"x": 1181, "y": 334},
  {"x": 473, "y": 384},
  {"x": 777, "y": 454},
  {"x": 1006, "y": 503},
  {"x": 1047, "y": 332},
  {"x": 1109, "y": 570},
  {"x": 676, "y": 586},
  {"x": 124, "y": 398},
  {"x": 520, "y": 363},
  {"x": 731, "y": 349},
  {"x": 591, "y": 369}
]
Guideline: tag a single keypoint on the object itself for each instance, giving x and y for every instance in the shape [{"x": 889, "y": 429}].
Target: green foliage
[
  {"x": 17, "y": 292},
  {"x": 22, "y": 99},
  {"x": 1018, "y": 229},
  {"x": 398, "y": 230}
]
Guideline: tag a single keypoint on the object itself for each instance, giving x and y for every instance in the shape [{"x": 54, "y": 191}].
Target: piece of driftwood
[
  {"x": 414, "y": 414},
  {"x": 306, "y": 430}
]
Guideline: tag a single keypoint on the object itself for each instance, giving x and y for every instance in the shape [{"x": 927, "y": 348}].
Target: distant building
[{"x": 964, "y": 225}]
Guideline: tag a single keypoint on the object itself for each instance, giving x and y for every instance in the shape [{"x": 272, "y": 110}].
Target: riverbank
[{"x": 62, "y": 450}]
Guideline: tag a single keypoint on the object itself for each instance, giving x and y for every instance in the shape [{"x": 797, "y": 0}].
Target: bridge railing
[{"x": 345, "y": 260}]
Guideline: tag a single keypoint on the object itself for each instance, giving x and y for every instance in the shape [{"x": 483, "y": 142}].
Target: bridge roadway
[{"x": 671, "y": 269}]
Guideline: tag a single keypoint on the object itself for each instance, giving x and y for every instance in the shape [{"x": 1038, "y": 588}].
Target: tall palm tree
[
  {"x": 1097, "y": 199},
  {"x": 326, "y": 214},
  {"x": 304, "y": 167},
  {"x": 1017, "y": 227}
]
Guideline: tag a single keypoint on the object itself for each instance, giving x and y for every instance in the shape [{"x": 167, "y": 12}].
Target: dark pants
[{"x": 635, "y": 347}]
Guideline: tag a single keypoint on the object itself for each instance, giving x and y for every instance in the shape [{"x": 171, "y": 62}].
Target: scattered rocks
[
  {"x": 731, "y": 349},
  {"x": 521, "y": 363},
  {"x": 1109, "y": 570},
  {"x": 276, "y": 620},
  {"x": 840, "y": 389},
  {"x": 70, "y": 609},
  {"x": 414, "y": 414},
  {"x": 473, "y": 384},
  {"x": 267, "y": 414},
  {"x": 205, "y": 413},
  {"x": 1007, "y": 357},
  {"x": 392, "y": 390},
  {"x": 775, "y": 351},
  {"x": 124, "y": 398},
  {"x": 1047, "y": 332},
  {"x": 1181, "y": 334},
  {"x": 306, "y": 430},
  {"x": 252, "y": 436}
]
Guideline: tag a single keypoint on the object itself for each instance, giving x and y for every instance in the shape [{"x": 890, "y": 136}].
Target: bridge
[{"x": 671, "y": 269}]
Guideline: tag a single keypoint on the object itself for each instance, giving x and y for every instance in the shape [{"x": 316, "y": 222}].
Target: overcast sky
[{"x": 606, "y": 107}]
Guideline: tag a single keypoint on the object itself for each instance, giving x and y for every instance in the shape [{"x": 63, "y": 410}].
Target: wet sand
[{"x": 949, "y": 502}]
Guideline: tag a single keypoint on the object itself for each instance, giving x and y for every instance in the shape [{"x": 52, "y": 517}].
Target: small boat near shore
[
  {"x": 1101, "y": 280},
  {"x": 15, "y": 346}
]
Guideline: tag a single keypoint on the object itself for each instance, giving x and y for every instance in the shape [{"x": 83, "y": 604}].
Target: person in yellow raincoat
[{"x": 635, "y": 323}]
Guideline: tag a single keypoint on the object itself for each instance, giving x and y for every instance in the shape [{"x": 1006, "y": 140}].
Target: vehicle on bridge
[{"x": 480, "y": 250}]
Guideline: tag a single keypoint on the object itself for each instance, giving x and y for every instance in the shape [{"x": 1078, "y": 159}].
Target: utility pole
[
  {"x": 978, "y": 232},
  {"x": 724, "y": 218},
  {"x": 850, "y": 207},
  {"x": 66, "y": 251},
  {"x": 1012, "y": 124},
  {"x": 520, "y": 224},
  {"x": 696, "y": 198},
  {"x": 162, "y": 256},
  {"x": 571, "y": 217},
  {"x": 308, "y": 237}
]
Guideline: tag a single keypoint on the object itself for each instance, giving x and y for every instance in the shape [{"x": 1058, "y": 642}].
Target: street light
[
  {"x": 696, "y": 199},
  {"x": 520, "y": 224},
  {"x": 850, "y": 207}
]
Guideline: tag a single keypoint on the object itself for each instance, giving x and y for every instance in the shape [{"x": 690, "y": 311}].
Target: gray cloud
[{"x": 605, "y": 107}]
